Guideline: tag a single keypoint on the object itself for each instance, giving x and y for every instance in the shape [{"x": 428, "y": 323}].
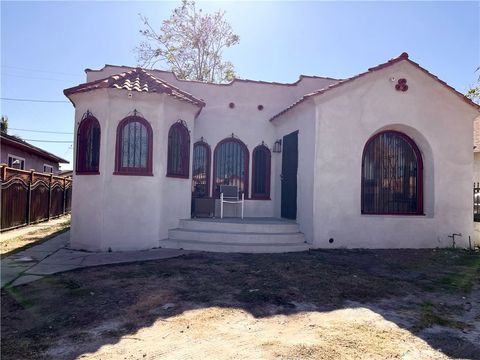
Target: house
[
  {"x": 19, "y": 154},
  {"x": 379, "y": 160},
  {"x": 66, "y": 173}
]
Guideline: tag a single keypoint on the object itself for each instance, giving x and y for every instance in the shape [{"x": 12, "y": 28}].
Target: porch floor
[{"x": 246, "y": 220}]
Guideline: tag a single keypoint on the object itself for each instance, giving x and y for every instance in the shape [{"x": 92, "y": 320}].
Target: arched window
[
  {"x": 230, "y": 165},
  {"x": 201, "y": 169},
  {"x": 134, "y": 147},
  {"x": 88, "y": 146},
  {"x": 178, "y": 158},
  {"x": 261, "y": 158},
  {"x": 392, "y": 175}
]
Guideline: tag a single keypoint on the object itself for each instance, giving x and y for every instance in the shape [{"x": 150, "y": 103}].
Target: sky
[{"x": 45, "y": 47}]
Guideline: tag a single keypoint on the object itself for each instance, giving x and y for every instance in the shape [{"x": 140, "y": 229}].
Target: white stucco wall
[
  {"x": 434, "y": 118},
  {"x": 218, "y": 121},
  {"x": 301, "y": 118},
  {"x": 121, "y": 212},
  {"x": 134, "y": 212},
  {"x": 476, "y": 166}
]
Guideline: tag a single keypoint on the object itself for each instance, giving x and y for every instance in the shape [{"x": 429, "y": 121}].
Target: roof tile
[{"x": 136, "y": 80}]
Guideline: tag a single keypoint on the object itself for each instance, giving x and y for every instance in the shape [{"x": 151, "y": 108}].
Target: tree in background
[
  {"x": 474, "y": 92},
  {"x": 190, "y": 43},
  {"x": 4, "y": 124}
]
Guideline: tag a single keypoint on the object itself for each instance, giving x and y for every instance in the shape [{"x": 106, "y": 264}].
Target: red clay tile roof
[
  {"x": 136, "y": 80},
  {"x": 19, "y": 143},
  {"x": 402, "y": 57}
]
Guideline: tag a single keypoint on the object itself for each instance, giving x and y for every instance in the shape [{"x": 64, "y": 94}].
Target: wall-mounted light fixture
[{"x": 277, "y": 147}]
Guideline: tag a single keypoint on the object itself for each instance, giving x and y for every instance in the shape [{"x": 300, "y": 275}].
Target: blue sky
[{"x": 45, "y": 46}]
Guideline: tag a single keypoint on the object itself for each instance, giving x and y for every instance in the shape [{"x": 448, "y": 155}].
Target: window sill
[
  {"x": 260, "y": 198},
  {"x": 178, "y": 176},
  {"x": 132, "y": 173},
  {"x": 393, "y": 214},
  {"x": 87, "y": 172}
]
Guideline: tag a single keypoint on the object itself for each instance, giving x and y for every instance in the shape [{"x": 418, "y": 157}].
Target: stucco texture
[
  {"x": 135, "y": 212},
  {"x": 441, "y": 126}
]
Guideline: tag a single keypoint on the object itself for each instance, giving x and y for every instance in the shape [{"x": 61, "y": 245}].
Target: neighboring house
[
  {"x": 66, "y": 173},
  {"x": 379, "y": 160},
  {"x": 19, "y": 154},
  {"x": 476, "y": 150}
]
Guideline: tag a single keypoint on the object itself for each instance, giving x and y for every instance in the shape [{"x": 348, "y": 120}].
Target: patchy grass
[
  {"x": 26, "y": 239},
  {"x": 324, "y": 303},
  {"x": 431, "y": 314}
]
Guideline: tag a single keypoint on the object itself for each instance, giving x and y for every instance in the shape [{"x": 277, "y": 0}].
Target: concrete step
[
  {"x": 235, "y": 237},
  {"x": 237, "y": 225},
  {"x": 233, "y": 247}
]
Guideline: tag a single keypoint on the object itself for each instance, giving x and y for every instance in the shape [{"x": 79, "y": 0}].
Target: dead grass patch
[{"x": 345, "y": 304}]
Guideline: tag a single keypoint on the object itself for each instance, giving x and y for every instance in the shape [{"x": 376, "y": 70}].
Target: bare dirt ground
[
  {"x": 22, "y": 238},
  {"x": 339, "y": 304}
]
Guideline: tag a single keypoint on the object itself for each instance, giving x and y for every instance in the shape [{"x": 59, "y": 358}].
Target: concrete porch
[{"x": 248, "y": 235}]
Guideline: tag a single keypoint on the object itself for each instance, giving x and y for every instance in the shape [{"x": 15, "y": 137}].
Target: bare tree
[{"x": 190, "y": 43}]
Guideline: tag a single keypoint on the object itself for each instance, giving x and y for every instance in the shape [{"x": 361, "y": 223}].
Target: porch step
[
  {"x": 249, "y": 235},
  {"x": 247, "y": 225},
  {"x": 238, "y": 237},
  {"x": 233, "y": 247}
]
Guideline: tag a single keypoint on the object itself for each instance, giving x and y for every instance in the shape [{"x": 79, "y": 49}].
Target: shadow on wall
[{"x": 78, "y": 312}]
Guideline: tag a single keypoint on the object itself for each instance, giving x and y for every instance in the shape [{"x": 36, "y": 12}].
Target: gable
[{"x": 341, "y": 86}]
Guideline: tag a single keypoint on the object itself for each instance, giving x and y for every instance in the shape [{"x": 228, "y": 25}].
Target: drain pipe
[{"x": 453, "y": 238}]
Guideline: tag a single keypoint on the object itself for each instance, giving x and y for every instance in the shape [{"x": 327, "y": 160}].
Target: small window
[
  {"x": 201, "y": 169},
  {"x": 16, "y": 162},
  {"x": 392, "y": 175},
  {"x": 88, "y": 146},
  {"x": 134, "y": 147},
  {"x": 178, "y": 161},
  {"x": 231, "y": 165},
  {"x": 47, "y": 168},
  {"x": 261, "y": 159}
]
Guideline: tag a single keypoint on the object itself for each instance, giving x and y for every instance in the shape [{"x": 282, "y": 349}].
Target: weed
[{"x": 430, "y": 315}]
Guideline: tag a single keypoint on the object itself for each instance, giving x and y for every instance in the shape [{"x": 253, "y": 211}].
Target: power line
[
  {"x": 43, "y": 71},
  {"x": 35, "y": 77},
  {"x": 35, "y": 100},
  {"x": 42, "y": 131},
  {"x": 50, "y": 141}
]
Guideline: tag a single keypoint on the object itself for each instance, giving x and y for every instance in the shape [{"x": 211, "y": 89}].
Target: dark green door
[{"x": 289, "y": 175}]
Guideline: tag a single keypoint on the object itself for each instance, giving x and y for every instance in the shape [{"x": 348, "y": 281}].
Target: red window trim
[
  {"x": 265, "y": 196},
  {"x": 184, "y": 172},
  {"x": 80, "y": 159},
  {"x": 418, "y": 154},
  {"x": 247, "y": 162},
  {"x": 119, "y": 170},
  {"x": 208, "y": 170}
]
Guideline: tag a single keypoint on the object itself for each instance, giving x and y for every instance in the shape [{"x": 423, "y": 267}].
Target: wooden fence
[{"x": 29, "y": 197}]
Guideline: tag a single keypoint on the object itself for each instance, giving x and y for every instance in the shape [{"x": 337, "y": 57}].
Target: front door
[{"x": 289, "y": 175}]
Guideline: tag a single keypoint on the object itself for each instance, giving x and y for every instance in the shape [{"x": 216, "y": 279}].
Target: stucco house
[{"x": 380, "y": 160}]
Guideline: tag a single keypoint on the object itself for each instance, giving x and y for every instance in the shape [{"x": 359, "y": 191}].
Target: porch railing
[{"x": 28, "y": 197}]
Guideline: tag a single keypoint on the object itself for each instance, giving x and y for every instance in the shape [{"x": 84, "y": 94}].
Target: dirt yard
[
  {"x": 22, "y": 238},
  {"x": 385, "y": 304}
]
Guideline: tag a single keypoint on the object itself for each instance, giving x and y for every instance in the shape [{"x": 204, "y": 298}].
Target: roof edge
[
  {"x": 402, "y": 57},
  {"x": 84, "y": 87},
  {"x": 300, "y": 77},
  {"x": 19, "y": 142}
]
